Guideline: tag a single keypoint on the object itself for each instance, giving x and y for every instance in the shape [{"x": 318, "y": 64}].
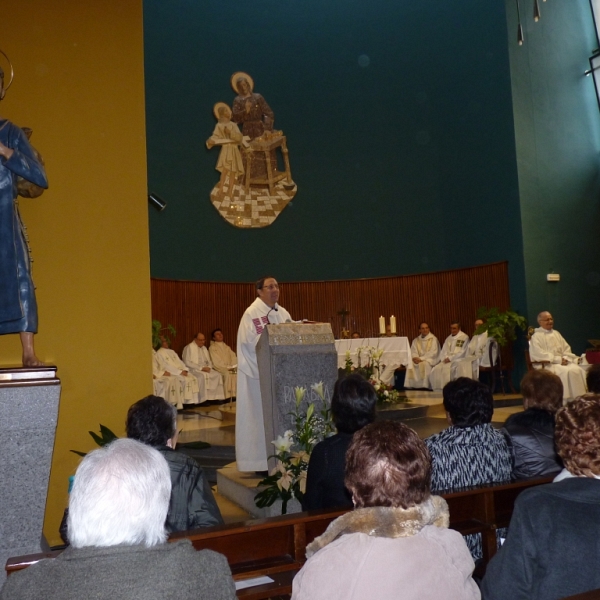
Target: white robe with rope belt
[
  {"x": 210, "y": 383},
  {"x": 250, "y": 446},
  {"x": 454, "y": 348},
  {"x": 427, "y": 349}
]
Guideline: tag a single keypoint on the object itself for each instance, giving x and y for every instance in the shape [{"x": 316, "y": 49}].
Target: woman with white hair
[{"x": 117, "y": 511}]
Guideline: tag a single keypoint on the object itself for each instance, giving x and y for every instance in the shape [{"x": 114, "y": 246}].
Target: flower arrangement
[
  {"x": 292, "y": 452},
  {"x": 386, "y": 394}
]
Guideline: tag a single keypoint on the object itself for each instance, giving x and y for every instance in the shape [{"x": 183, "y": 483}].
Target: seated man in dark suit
[
  {"x": 117, "y": 512},
  {"x": 552, "y": 546}
]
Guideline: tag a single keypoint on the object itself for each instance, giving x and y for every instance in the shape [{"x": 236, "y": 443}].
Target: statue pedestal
[
  {"x": 28, "y": 415},
  {"x": 290, "y": 355}
]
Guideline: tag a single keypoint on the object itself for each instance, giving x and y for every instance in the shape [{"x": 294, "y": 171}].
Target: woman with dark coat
[
  {"x": 532, "y": 431},
  {"x": 353, "y": 406}
]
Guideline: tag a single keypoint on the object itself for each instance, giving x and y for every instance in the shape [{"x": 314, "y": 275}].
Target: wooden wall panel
[{"x": 438, "y": 298}]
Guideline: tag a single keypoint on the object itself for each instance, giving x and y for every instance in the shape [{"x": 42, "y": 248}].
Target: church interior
[{"x": 440, "y": 167}]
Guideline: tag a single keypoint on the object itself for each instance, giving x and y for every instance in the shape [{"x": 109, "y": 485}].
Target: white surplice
[
  {"x": 478, "y": 355},
  {"x": 210, "y": 382},
  {"x": 250, "y": 445},
  {"x": 454, "y": 348},
  {"x": 224, "y": 359},
  {"x": 169, "y": 387},
  {"x": 427, "y": 348},
  {"x": 549, "y": 345},
  {"x": 169, "y": 361}
]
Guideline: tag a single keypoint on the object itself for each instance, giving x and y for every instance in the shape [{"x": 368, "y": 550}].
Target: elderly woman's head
[
  {"x": 542, "y": 389},
  {"x": 353, "y": 404},
  {"x": 387, "y": 464},
  {"x": 152, "y": 420},
  {"x": 577, "y": 436},
  {"x": 468, "y": 402}
]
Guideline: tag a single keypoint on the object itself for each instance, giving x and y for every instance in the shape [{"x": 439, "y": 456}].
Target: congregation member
[
  {"x": 118, "y": 551},
  {"x": 593, "y": 379},
  {"x": 353, "y": 406},
  {"x": 250, "y": 446},
  {"x": 174, "y": 366},
  {"x": 532, "y": 431},
  {"x": 425, "y": 350},
  {"x": 225, "y": 362},
  {"x": 548, "y": 346},
  {"x": 153, "y": 421},
  {"x": 197, "y": 359},
  {"x": 470, "y": 451},
  {"x": 478, "y": 354},
  {"x": 396, "y": 542},
  {"x": 165, "y": 385},
  {"x": 453, "y": 350},
  {"x": 551, "y": 550}
]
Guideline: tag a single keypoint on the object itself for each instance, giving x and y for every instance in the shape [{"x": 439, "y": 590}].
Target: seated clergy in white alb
[
  {"x": 425, "y": 350},
  {"x": 225, "y": 361},
  {"x": 453, "y": 350},
  {"x": 166, "y": 386},
  {"x": 197, "y": 359},
  {"x": 478, "y": 355},
  {"x": 547, "y": 345},
  {"x": 172, "y": 364}
]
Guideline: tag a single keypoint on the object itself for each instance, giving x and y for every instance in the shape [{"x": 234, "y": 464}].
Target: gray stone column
[{"x": 28, "y": 416}]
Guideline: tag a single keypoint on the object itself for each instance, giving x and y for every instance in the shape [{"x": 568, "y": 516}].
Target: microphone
[{"x": 274, "y": 307}]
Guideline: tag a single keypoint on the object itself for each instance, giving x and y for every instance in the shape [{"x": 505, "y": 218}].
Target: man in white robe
[
  {"x": 547, "y": 345},
  {"x": 425, "y": 350},
  {"x": 250, "y": 446},
  {"x": 197, "y": 358},
  {"x": 225, "y": 361},
  {"x": 478, "y": 355},
  {"x": 454, "y": 348},
  {"x": 172, "y": 364},
  {"x": 166, "y": 386}
]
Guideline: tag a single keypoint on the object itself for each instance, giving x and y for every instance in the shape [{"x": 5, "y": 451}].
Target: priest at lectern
[{"x": 250, "y": 451}]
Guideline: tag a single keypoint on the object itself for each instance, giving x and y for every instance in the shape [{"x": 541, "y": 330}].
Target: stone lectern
[
  {"x": 28, "y": 414},
  {"x": 291, "y": 355}
]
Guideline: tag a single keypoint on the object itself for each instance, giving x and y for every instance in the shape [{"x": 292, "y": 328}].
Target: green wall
[
  {"x": 557, "y": 125},
  {"x": 403, "y": 166}
]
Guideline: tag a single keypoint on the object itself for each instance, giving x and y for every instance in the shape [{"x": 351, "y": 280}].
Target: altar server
[
  {"x": 455, "y": 348},
  {"x": 547, "y": 345},
  {"x": 167, "y": 386},
  {"x": 425, "y": 350},
  {"x": 172, "y": 364},
  {"x": 225, "y": 361},
  {"x": 250, "y": 445},
  {"x": 478, "y": 355},
  {"x": 197, "y": 359}
]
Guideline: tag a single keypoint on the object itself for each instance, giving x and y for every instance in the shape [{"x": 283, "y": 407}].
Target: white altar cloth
[{"x": 396, "y": 350}]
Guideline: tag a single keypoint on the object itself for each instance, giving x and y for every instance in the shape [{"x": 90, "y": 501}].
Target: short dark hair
[
  {"x": 468, "y": 402},
  {"x": 542, "y": 389},
  {"x": 455, "y": 323},
  {"x": 387, "y": 464},
  {"x": 259, "y": 284},
  {"x": 593, "y": 379},
  {"x": 212, "y": 333},
  {"x": 151, "y": 420},
  {"x": 353, "y": 403},
  {"x": 577, "y": 435}
]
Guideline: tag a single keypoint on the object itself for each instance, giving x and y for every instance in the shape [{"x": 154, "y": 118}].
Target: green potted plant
[
  {"x": 159, "y": 331},
  {"x": 500, "y": 325}
]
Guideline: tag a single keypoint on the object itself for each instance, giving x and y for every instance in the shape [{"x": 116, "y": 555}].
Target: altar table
[{"x": 396, "y": 350}]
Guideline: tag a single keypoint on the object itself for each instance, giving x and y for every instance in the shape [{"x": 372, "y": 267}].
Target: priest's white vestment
[
  {"x": 170, "y": 362},
  {"x": 454, "y": 348},
  {"x": 549, "y": 345},
  {"x": 210, "y": 383},
  {"x": 478, "y": 355},
  {"x": 169, "y": 387},
  {"x": 427, "y": 348},
  {"x": 224, "y": 360},
  {"x": 250, "y": 448}
]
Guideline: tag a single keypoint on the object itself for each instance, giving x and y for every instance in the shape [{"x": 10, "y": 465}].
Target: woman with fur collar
[{"x": 396, "y": 543}]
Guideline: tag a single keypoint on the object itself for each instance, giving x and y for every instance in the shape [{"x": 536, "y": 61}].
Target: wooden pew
[{"x": 277, "y": 546}]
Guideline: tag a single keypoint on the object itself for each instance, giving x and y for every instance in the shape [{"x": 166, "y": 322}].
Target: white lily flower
[
  {"x": 284, "y": 442},
  {"x": 318, "y": 388},
  {"x": 300, "y": 392}
]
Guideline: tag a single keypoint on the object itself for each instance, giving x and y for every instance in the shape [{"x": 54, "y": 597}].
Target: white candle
[
  {"x": 393, "y": 324},
  {"x": 382, "y": 325}
]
